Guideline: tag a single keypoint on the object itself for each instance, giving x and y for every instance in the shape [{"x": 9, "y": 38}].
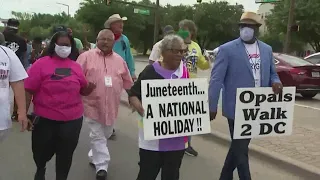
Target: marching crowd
[{"x": 69, "y": 85}]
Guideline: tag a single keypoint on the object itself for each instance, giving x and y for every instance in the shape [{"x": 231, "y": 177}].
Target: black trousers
[
  {"x": 152, "y": 161},
  {"x": 51, "y": 137},
  {"x": 237, "y": 157}
]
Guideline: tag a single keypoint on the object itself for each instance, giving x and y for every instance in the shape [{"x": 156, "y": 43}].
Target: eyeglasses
[{"x": 181, "y": 51}]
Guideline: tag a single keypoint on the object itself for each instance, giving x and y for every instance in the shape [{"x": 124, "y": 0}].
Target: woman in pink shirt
[{"x": 56, "y": 83}]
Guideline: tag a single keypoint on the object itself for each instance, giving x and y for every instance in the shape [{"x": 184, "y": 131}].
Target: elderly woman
[
  {"x": 56, "y": 83},
  {"x": 193, "y": 59},
  {"x": 164, "y": 154}
]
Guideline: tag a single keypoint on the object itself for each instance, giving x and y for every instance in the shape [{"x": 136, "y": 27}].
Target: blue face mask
[{"x": 246, "y": 33}]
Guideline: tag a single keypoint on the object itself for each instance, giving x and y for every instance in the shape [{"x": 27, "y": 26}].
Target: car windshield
[
  {"x": 293, "y": 61},
  {"x": 314, "y": 59}
]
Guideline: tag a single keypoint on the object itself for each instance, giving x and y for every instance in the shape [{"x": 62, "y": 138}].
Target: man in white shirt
[
  {"x": 12, "y": 73},
  {"x": 155, "y": 53}
]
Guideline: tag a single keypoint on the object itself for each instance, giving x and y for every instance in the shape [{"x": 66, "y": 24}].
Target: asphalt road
[{"x": 16, "y": 157}]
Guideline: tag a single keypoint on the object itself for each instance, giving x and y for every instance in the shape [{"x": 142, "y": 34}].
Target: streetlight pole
[
  {"x": 66, "y": 6},
  {"x": 156, "y": 22},
  {"x": 286, "y": 48}
]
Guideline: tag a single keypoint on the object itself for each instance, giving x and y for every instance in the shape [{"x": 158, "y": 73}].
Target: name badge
[{"x": 108, "y": 81}]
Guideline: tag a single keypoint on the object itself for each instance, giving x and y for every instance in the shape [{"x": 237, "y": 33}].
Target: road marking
[{"x": 309, "y": 107}]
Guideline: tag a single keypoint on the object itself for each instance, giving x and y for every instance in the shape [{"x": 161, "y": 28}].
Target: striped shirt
[{"x": 111, "y": 75}]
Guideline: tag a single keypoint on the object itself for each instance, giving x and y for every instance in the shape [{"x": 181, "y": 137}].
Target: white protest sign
[
  {"x": 175, "y": 108},
  {"x": 261, "y": 113}
]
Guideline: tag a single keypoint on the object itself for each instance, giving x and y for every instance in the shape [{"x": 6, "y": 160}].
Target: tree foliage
[
  {"x": 216, "y": 21},
  {"x": 40, "y": 25},
  {"x": 306, "y": 16}
]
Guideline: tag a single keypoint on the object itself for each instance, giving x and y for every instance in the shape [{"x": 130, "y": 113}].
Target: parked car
[
  {"x": 314, "y": 58},
  {"x": 294, "y": 71}
]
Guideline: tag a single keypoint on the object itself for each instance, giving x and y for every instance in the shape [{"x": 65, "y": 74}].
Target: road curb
[
  {"x": 278, "y": 159},
  {"x": 296, "y": 166}
]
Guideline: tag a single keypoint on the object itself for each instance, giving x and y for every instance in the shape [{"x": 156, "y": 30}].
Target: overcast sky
[{"x": 50, "y": 6}]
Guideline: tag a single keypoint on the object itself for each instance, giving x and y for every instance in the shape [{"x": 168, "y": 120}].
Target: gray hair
[
  {"x": 168, "y": 41},
  {"x": 104, "y": 32}
]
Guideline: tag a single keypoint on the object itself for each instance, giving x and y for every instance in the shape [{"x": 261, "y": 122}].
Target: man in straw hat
[
  {"x": 243, "y": 62},
  {"x": 122, "y": 44}
]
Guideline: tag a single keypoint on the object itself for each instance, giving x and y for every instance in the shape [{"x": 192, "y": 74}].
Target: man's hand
[
  {"x": 277, "y": 88},
  {"x": 24, "y": 121},
  {"x": 213, "y": 115}
]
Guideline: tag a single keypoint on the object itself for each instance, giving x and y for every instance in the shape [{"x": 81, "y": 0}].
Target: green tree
[
  {"x": 306, "y": 15},
  {"x": 40, "y": 25},
  {"x": 137, "y": 28},
  {"x": 217, "y": 22}
]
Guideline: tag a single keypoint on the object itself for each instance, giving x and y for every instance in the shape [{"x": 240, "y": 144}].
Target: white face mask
[
  {"x": 246, "y": 33},
  {"x": 62, "y": 51}
]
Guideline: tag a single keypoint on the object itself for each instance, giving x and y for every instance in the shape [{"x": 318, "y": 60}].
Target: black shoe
[
  {"x": 101, "y": 175},
  {"x": 14, "y": 117},
  {"x": 40, "y": 174},
  {"x": 191, "y": 152},
  {"x": 92, "y": 165},
  {"x": 113, "y": 136}
]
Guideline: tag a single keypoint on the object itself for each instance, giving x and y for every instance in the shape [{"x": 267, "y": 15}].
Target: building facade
[
  {"x": 4, "y": 21},
  {"x": 264, "y": 11}
]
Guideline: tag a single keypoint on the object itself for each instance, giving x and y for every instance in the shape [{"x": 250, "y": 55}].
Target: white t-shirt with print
[
  {"x": 155, "y": 53},
  {"x": 255, "y": 61},
  {"x": 11, "y": 70}
]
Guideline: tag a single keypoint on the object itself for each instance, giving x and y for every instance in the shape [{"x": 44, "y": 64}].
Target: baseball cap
[
  {"x": 13, "y": 23},
  {"x": 168, "y": 29}
]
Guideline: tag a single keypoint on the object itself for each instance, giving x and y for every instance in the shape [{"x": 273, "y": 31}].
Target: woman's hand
[
  {"x": 25, "y": 122},
  {"x": 88, "y": 90},
  {"x": 91, "y": 86},
  {"x": 136, "y": 104}
]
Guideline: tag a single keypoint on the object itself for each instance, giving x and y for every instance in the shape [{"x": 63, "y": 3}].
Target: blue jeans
[{"x": 237, "y": 157}]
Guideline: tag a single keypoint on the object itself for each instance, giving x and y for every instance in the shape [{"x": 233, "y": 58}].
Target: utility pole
[
  {"x": 156, "y": 22},
  {"x": 66, "y": 6},
  {"x": 156, "y": 15},
  {"x": 286, "y": 48}
]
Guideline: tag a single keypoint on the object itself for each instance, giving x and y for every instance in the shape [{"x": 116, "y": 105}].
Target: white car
[{"x": 314, "y": 58}]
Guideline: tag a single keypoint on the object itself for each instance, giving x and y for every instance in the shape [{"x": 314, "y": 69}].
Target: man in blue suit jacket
[{"x": 244, "y": 62}]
